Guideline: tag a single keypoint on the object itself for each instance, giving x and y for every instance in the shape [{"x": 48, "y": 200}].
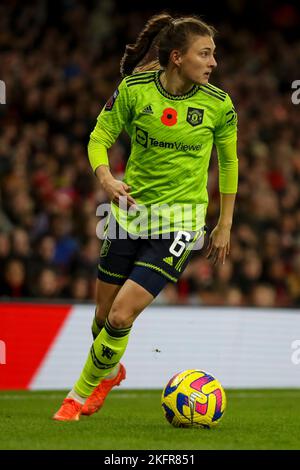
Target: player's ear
[{"x": 175, "y": 57}]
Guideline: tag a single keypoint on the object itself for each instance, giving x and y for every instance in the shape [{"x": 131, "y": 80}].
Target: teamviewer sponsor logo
[
  {"x": 142, "y": 137},
  {"x": 2, "y": 353},
  {"x": 174, "y": 145}
]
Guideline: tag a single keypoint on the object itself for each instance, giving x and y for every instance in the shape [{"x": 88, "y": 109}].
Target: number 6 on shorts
[{"x": 178, "y": 245}]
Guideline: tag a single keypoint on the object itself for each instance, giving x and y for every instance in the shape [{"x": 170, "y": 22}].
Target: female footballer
[{"x": 173, "y": 116}]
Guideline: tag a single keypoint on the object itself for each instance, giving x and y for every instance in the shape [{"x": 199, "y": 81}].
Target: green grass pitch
[{"x": 254, "y": 419}]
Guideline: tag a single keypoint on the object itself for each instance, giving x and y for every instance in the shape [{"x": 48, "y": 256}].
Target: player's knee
[{"x": 120, "y": 316}]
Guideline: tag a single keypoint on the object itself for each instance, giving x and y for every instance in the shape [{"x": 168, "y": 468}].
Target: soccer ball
[{"x": 193, "y": 398}]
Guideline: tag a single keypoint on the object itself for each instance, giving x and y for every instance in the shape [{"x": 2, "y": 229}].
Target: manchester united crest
[
  {"x": 105, "y": 247},
  {"x": 195, "y": 116}
]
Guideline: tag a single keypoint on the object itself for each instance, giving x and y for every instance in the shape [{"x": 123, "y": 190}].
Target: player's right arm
[{"x": 110, "y": 123}]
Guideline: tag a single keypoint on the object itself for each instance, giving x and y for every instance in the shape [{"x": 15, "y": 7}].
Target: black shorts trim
[
  {"x": 157, "y": 269},
  {"x": 111, "y": 278},
  {"x": 150, "y": 279}
]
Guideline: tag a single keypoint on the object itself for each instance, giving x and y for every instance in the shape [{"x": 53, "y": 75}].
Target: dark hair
[{"x": 166, "y": 33}]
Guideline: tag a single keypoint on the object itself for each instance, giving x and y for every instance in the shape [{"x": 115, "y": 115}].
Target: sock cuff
[
  {"x": 95, "y": 321},
  {"x": 116, "y": 332},
  {"x": 96, "y": 328}
]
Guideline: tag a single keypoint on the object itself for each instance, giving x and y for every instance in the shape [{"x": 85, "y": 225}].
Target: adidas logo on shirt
[
  {"x": 147, "y": 110},
  {"x": 168, "y": 260}
]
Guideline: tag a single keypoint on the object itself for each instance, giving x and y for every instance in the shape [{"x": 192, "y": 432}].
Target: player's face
[{"x": 198, "y": 61}]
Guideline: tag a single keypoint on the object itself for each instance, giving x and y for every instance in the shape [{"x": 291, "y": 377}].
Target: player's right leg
[
  {"x": 105, "y": 295},
  {"x": 106, "y": 352},
  {"x": 111, "y": 344},
  {"x": 116, "y": 261},
  {"x": 72, "y": 406}
]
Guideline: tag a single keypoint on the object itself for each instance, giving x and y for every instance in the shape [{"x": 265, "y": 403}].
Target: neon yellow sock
[{"x": 104, "y": 355}]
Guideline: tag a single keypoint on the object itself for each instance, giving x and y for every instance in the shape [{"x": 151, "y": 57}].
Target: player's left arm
[{"x": 225, "y": 139}]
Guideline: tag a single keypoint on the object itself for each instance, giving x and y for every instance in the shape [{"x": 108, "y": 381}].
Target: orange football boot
[
  {"x": 96, "y": 400},
  {"x": 70, "y": 410}
]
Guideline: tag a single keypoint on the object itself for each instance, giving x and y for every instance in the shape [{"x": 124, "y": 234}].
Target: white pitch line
[
  {"x": 56, "y": 396},
  {"x": 118, "y": 395}
]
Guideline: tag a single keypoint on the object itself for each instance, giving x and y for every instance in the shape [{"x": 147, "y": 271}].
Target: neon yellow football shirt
[{"x": 171, "y": 142}]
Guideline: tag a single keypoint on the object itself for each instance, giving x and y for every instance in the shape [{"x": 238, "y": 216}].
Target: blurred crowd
[{"x": 60, "y": 65}]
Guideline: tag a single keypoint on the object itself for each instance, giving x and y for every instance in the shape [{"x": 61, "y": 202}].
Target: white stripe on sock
[
  {"x": 113, "y": 373},
  {"x": 76, "y": 397}
]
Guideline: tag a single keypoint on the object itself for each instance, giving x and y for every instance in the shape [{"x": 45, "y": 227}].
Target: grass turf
[{"x": 254, "y": 419}]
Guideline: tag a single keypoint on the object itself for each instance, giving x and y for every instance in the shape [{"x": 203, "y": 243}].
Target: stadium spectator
[
  {"x": 48, "y": 284},
  {"x": 5, "y": 247},
  {"x": 234, "y": 297},
  {"x": 79, "y": 289},
  {"x": 263, "y": 295},
  {"x": 13, "y": 283}
]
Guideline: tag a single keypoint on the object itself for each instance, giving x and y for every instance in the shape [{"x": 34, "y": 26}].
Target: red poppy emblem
[{"x": 169, "y": 117}]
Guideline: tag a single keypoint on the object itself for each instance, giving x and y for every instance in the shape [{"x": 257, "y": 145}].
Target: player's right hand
[{"x": 116, "y": 190}]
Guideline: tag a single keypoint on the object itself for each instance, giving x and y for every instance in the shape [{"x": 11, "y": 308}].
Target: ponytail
[{"x": 134, "y": 53}]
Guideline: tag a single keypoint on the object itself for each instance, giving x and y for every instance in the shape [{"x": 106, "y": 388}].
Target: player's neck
[{"x": 174, "y": 84}]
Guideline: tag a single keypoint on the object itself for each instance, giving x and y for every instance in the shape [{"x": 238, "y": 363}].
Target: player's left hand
[{"x": 219, "y": 244}]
